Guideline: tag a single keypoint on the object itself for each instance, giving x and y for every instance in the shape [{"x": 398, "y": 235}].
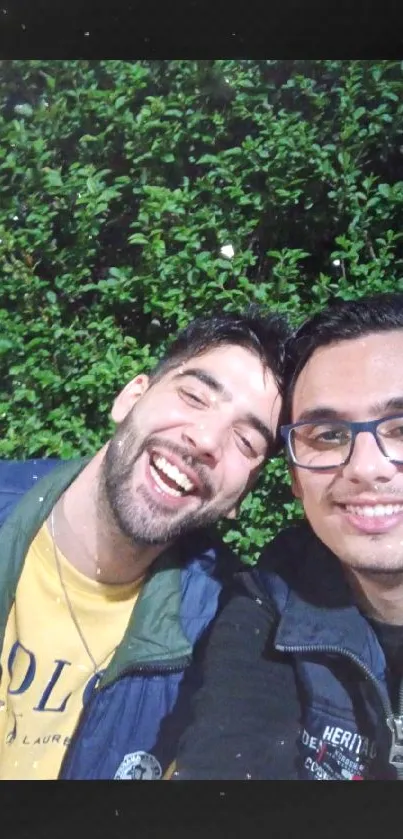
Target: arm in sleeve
[{"x": 245, "y": 716}]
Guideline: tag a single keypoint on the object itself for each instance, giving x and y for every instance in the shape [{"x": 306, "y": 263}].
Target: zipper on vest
[
  {"x": 394, "y": 724},
  {"x": 154, "y": 668},
  {"x": 158, "y": 667}
]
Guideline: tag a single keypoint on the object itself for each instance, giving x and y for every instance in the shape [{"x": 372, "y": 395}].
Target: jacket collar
[
  {"x": 23, "y": 523},
  {"x": 154, "y": 633},
  {"x": 154, "y": 638},
  {"x": 320, "y": 611}
]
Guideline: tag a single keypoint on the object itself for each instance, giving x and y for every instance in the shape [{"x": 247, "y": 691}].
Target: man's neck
[
  {"x": 87, "y": 535},
  {"x": 380, "y": 596}
]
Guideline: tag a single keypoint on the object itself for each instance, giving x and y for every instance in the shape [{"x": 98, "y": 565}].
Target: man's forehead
[
  {"x": 367, "y": 367},
  {"x": 375, "y": 347}
]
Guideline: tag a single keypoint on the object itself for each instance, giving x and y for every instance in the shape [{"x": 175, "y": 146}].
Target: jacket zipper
[
  {"x": 395, "y": 724},
  {"x": 153, "y": 669}
]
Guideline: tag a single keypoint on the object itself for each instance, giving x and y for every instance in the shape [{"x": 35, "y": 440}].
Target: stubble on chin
[{"x": 374, "y": 566}]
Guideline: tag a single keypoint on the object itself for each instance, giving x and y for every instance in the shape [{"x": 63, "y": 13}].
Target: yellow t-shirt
[{"x": 45, "y": 668}]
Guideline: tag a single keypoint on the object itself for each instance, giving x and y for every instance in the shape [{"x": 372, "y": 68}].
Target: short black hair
[
  {"x": 264, "y": 333},
  {"x": 341, "y": 320}
]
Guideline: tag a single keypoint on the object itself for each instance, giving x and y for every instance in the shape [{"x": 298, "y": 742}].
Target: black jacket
[{"x": 246, "y": 714}]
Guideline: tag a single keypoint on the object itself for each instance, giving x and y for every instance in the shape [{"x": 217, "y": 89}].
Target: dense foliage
[{"x": 120, "y": 183}]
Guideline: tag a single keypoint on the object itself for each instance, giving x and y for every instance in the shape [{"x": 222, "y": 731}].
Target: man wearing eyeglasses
[{"x": 304, "y": 675}]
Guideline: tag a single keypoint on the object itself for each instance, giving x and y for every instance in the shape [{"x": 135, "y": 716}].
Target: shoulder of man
[
  {"x": 278, "y": 564},
  {"x": 296, "y": 560},
  {"x": 212, "y": 554},
  {"x": 17, "y": 477}
]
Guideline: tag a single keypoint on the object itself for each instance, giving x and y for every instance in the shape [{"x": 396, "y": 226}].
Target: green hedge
[{"x": 120, "y": 183}]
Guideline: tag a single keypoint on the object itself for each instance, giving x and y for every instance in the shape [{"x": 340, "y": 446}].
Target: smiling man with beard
[{"x": 110, "y": 574}]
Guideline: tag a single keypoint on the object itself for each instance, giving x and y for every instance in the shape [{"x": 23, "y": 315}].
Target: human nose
[
  {"x": 367, "y": 462},
  {"x": 206, "y": 438}
]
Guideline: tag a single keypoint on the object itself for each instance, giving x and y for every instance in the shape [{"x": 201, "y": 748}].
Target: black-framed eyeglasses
[{"x": 327, "y": 444}]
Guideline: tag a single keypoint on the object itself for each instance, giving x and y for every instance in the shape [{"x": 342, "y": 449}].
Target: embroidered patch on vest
[
  {"x": 338, "y": 755},
  {"x": 139, "y": 766}
]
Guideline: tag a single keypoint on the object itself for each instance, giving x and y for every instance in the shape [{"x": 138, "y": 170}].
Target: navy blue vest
[{"x": 340, "y": 666}]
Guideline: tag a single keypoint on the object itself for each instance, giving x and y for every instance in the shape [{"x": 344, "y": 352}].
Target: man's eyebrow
[
  {"x": 206, "y": 379},
  {"x": 320, "y": 413},
  {"x": 379, "y": 409},
  {"x": 393, "y": 404}
]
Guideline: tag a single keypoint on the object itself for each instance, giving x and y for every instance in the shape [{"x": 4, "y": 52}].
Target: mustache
[{"x": 183, "y": 453}]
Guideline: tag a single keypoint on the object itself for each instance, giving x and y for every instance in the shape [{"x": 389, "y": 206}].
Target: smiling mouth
[
  {"x": 373, "y": 511},
  {"x": 169, "y": 478}
]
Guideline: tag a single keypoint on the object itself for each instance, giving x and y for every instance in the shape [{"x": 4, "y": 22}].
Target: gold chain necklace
[{"x": 67, "y": 598}]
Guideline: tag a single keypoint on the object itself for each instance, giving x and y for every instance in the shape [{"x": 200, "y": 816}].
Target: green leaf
[
  {"x": 207, "y": 158},
  {"x": 137, "y": 239},
  {"x": 385, "y": 190},
  {"x": 53, "y": 178}
]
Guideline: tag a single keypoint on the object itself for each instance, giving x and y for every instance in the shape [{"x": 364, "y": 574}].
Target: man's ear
[{"x": 128, "y": 397}]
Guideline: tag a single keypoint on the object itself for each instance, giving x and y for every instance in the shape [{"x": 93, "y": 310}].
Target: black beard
[{"x": 149, "y": 523}]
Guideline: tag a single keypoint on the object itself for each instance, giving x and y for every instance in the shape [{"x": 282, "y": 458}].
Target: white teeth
[
  {"x": 173, "y": 473},
  {"x": 377, "y": 510},
  {"x": 163, "y": 486}
]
